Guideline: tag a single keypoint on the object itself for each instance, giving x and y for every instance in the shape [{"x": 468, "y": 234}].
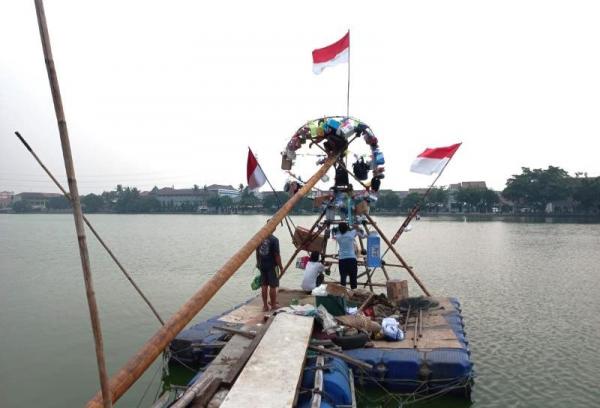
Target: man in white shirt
[{"x": 313, "y": 270}]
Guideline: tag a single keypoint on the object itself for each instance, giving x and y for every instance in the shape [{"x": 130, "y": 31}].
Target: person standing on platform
[
  {"x": 348, "y": 266},
  {"x": 267, "y": 258}
]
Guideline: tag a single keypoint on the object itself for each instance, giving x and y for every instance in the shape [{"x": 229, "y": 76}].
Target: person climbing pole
[{"x": 267, "y": 258}]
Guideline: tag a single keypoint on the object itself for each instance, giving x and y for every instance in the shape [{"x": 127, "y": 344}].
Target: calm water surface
[{"x": 530, "y": 295}]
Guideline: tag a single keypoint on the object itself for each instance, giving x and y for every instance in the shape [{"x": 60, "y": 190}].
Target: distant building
[
  {"x": 178, "y": 197},
  {"x": 6, "y": 198},
  {"x": 171, "y": 197},
  {"x": 37, "y": 201},
  {"x": 453, "y": 205},
  {"x": 473, "y": 184},
  {"x": 224, "y": 191},
  {"x": 420, "y": 191}
]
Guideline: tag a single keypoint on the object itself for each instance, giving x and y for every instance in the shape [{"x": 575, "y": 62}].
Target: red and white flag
[
  {"x": 433, "y": 160},
  {"x": 336, "y": 53},
  {"x": 256, "y": 177}
]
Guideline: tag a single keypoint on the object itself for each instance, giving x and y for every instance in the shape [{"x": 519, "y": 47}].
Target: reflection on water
[{"x": 529, "y": 293}]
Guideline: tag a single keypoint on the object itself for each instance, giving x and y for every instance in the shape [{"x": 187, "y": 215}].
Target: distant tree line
[
  {"x": 531, "y": 191},
  {"x": 536, "y": 189}
]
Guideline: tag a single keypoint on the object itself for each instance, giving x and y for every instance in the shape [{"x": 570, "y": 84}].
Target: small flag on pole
[
  {"x": 256, "y": 177},
  {"x": 433, "y": 160},
  {"x": 336, "y": 53}
]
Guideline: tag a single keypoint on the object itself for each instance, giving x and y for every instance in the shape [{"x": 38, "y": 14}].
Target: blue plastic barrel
[
  {"x": 373, "y": 250},
  {"x": 336, "y": 383}
]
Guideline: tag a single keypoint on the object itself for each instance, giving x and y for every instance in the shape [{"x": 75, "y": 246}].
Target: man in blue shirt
[{"x": 348, "y": 266}]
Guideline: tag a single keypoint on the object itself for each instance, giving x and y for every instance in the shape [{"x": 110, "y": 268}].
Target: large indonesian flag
[
  {"x": 256, "y": 177},
  {"x": 433, "y": 160},
  {"x": 336, "y": 53}
]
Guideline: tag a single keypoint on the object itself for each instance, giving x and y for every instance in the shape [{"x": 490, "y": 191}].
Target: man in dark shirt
[{"x": 267, "y": 257}]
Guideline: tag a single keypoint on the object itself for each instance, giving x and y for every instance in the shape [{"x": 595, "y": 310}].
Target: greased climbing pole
[{"x": 146, "y": 355}]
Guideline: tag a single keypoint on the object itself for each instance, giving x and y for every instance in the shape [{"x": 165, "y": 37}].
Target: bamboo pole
[
  {"x": 393, "y": 249},
  {"x": 74, "y": 192},
  {"x": 100, "y": 240},
  {"x": 135, "y": 367}
]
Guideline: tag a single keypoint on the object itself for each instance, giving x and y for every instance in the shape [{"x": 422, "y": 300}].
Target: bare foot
[
  {"x": 265, "y": 308},
  {"x": 275, "y": 306}
]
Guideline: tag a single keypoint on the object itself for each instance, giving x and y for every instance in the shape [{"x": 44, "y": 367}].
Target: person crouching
[{"x": 313, "y": 273}]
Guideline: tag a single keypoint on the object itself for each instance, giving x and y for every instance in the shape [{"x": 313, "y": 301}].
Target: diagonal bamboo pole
[
  {"x": 393, "y": 249},
  {"x": 136, "y": 366},
  {"x": 100, "y": 240},
  {"x": 74, "y": 192}
]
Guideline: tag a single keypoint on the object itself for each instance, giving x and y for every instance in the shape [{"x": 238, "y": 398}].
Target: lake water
[{"x": 530, "y": 294}]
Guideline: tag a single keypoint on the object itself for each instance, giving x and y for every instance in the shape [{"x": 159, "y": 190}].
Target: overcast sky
[{"x": 172, "y": 93}]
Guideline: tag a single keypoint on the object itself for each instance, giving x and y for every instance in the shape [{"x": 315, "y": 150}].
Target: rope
[
  {"x": 139, "y": 404},
  {"x": 421, "y": 392}
]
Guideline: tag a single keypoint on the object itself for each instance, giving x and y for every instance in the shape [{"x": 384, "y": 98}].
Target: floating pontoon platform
[{"x": 434, "y": 356}]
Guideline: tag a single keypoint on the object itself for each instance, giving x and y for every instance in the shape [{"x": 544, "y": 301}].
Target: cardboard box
[
  {"x": 397, "y": 290},
  {"x": 361, "y": 208},
  {"x": 301, "y": 235}
]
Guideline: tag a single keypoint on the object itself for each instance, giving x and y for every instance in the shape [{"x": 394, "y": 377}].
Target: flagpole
[
  {"x": 413, "y": 212},
  {"x": 279, "y": 204},
  {"x": 348, "y": 91}
]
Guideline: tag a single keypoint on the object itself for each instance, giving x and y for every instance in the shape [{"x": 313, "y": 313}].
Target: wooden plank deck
[
  {"x": 252, "y": 313},
  {"x": 271, "y": 376}
]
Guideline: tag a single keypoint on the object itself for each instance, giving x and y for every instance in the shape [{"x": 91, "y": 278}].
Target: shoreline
[{"x": 591, "y": 218}]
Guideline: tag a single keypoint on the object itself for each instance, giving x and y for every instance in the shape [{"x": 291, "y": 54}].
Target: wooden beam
[
  {"x": 348, "y": 359},
  {"x": 318, "y": 384},
  {"x": 236, "y": 369},
  {"x": 273, "y": 373},
  {"x": 205, "y": 387},
  {"x": 245, "y": 333}
]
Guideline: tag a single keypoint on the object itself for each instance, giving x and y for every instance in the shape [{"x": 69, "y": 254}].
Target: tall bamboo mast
[
  {"x": 74, "y": 193},
  {"x": 136, "y": 366}
]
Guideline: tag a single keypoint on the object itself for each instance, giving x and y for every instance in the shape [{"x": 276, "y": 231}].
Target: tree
[
  {"x": 21, "y": 206},
  {"x": 587, "y": 192},
  {"x": 214, "y": 202},
  {"x": 92, "y": 203},
  {"x": 248, "y": 199},
  {"x": 226, "y": 203},
  {"x": 476, "y": 199},
  {"x": 410, "y": 201},
  {"x": 388, "y": 201},
  {"x": 58, "y": 203},
  {"x": 538, "y": 187},
  {"x": 437, "y": 198},
  {"x": 270, "y": 200},
  {"x": 489, "y": 198},
  {"x": 305, "y": 204}
]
